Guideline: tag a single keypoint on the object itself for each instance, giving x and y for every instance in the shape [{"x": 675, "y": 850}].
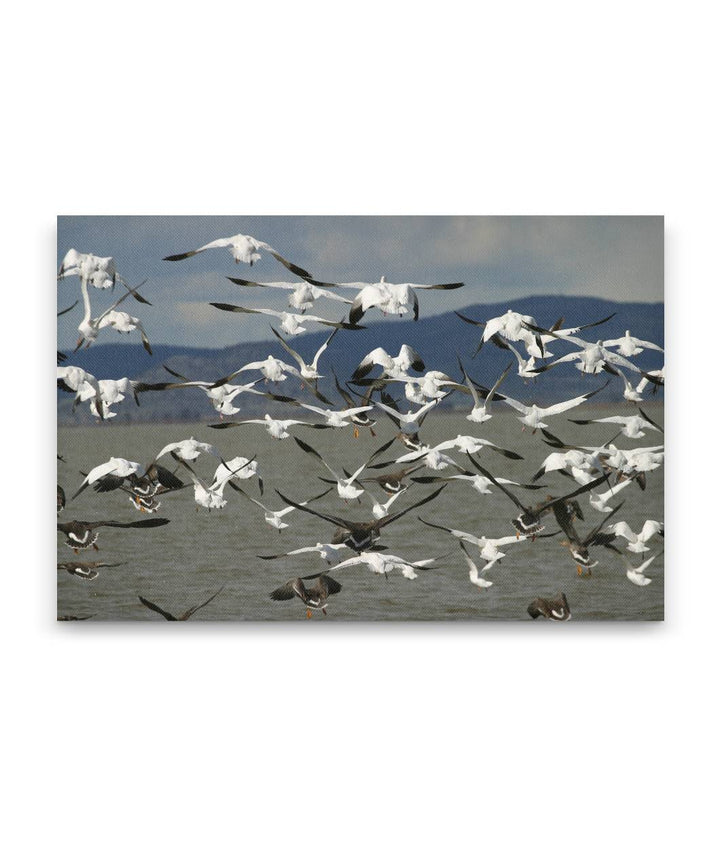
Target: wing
[
  {"x": 288, "y": 286},
  {"x": 322, "y": 348},
  {"x": 390, "y": 517},
  {"x": 457, "y": 533},
  {"x": 651, "y": 421},
  {"x": 331, "y": 586},
  {"x": 583, "y": 489},
  {"x": 492, "y": 478},
  {"x": 306, "y": 447},
  {"x": 441, "y": 286},
  {"x": 231, "y": 307},
  {"x": 338, "y": 521},
  {"x": 155, "y": 608},
  {"x": 294, "y": 354},
  {"x": 564, "y": 520},
  {"x": 194, "y": 609},
  {"x": 285, "y": 592},
  {"x": 151, "y": 523}
]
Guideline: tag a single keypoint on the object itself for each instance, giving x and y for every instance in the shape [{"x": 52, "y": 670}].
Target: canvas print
[{"x": 360, "y": 418}]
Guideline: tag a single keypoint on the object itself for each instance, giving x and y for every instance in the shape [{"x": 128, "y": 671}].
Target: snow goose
[
  {"x": 409, "y": 423},
  {"x": 89, "y": 328},
  {"x": 275, "y": 518},
  {"x": 632, "y": 426},
  {"x": 308, "y": 372},
  {"x": 637, "y": 541},
  {"x": 290, "y": 322},
  {"x": 326, "y": 551},
  {"x": 532, "y": 415},
  {"x": 276, "y": 428},
  {"x": 336, "y": 418},
  {"x": 488, "y": 547},
  {"x": 220, "y": 393},
  {"x": 243, "y": 248},
  {"x": 630, "y": 346},
  {"x": 237, "y": 469},
  {"x": 98, "y": 271},
  {"x": 476, "y": 481},
  {"x": 635, "y": 574},
  {"x": 384, "y": 564},
  {"x": 407, "y": 358},
  {"x": 119, "y": 468},
  {"x": 346, "y": 487},
  {"x": 304, "y": 294},
  {"x": 391, "y": 298},
  {"x": 481, "y": 408},
  {"x": 509, "y": 327},
  {"x": 209, "y": 496},
  {"x": 188, "y": 450},
  {"x": 590, "y": 359},
  {"x": 656, "y": 378},
  {"x": 474, "y": 573},
  {"x": 72, "y": 379},
  {"x": 271, "y": 368}
]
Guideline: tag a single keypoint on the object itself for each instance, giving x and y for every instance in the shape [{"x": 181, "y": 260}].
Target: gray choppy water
[{"x": 181, "y": 564}]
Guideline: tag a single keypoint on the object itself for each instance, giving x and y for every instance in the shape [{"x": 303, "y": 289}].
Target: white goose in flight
[
  {"x": 532, "y": 415},
  {"x": 290, "y": 322},
  {"x": 243, "y": 248},
  {"x": 308, "y": 372},
  {"x": 392, "y": 298},
  {"x": 488, "y": 547},
  {"x": 276, "y": 428},
  {"x": 630, "y": 346},
  {"x": 637, "y": 541},
  {"x": 275, "y": 518},
  {"x": 304, "y": 294},
  {"x": 348, "y": 487},
  {"x": 123, "y": 322}
]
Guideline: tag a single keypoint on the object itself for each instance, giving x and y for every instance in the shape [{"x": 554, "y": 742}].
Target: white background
[{"x": 358, "y": 739}]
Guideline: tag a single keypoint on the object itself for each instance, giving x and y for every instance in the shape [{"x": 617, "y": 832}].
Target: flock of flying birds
[{"x": 369, "y": 398}]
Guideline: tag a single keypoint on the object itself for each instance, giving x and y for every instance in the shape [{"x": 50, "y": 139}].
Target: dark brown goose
[
  {"x": 168, "y": 616},
  {"x": 393, "y": 482},
  {"x": 86, "y": 570},
  {"x": 554, "y": 610},
  {"x": 81, "y": 534},
  {"x": 579, "y": 546},
  {"x": 529, "y": 521},
  {"x": 359, "y": 536},
  {"x": 60, "y": 499},
  {"x": 359, "y": 420},
  {"x": 314, "y": 597}
]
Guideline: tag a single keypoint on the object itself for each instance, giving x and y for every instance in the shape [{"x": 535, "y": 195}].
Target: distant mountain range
[{"x": 438, "y": 339}]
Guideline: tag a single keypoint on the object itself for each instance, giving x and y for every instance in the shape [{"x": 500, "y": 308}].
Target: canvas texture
[{"x": 360, "y": 418}]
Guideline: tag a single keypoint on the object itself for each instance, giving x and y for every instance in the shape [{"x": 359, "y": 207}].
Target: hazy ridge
[{"x": 438, "y": 339}]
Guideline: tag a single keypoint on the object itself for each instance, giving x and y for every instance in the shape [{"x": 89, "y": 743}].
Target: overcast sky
[{"x": 498, "y": 258}]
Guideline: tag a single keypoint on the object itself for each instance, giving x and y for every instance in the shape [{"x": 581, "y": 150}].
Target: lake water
[{"x": 183, "y": 563}]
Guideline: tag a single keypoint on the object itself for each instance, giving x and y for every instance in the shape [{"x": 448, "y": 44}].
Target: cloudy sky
[{"x": 498, "y": 258}]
